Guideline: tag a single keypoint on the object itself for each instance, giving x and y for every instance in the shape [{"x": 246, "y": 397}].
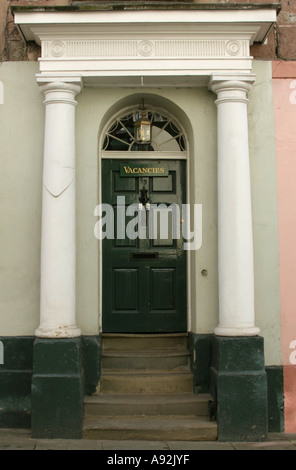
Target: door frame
[{"x": 132, "y": 155}]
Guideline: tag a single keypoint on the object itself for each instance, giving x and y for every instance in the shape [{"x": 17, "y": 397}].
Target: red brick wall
[
  {"x": 280, "y": 43},
  {"x": 12, "y": 45}
]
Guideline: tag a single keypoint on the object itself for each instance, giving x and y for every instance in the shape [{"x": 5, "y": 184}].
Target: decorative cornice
[
  {"x": 35, "y": 22},
  {"x": 129, "y": 5},
  {"x": 172, "y": 45}
]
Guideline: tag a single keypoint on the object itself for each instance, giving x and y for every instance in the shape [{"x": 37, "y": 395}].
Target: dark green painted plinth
[
  {"x": 239, "y": 385},
  {"x": 92, "y": 352},
  {"x": 15, "y": 382},
  {"x": 200, "y": 347},
  {"x": 57, "y": 389},
  {"x": 275, "y": 396}
]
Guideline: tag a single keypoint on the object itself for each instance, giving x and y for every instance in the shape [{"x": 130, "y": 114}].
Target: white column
[
  {"x": 235, "y": 237},
  {"x": 58, "y": 244}
]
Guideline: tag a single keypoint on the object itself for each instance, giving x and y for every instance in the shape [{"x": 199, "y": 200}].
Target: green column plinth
[
  {"x": 239, "y": 385},
  {"x": 57, "y": 389}
]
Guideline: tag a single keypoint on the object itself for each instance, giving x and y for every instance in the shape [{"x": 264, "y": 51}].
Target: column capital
[
  {"x": 231, "y": 87},
  {"x": 59, "y": 88},
  {"x": 222, "y": 80},
  {"x": 44, "y": 78}
]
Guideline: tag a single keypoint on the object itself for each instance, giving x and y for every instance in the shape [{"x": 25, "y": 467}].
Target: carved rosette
[
  {"x": 233, "y": 48},
  {"x": 146, "y": 48},
  {"x": 57, "y": 48}
]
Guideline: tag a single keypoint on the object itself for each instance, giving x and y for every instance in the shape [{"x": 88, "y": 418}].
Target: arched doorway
[{"x": 144, "y": 265}]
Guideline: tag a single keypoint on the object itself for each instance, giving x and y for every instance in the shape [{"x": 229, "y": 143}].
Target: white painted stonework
[
  {"x": 147, "y": 48},
  {"x": 139, "y": 46},
  {"x": 235, "y": 236},
  {"x": 58, "y": 243}
]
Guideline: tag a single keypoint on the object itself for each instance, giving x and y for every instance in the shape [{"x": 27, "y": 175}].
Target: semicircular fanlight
[{"x": 166, "y": 135}]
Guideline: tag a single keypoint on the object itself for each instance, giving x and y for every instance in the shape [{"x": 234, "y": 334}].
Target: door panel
[
  {"x": 144, "y": 266},
  {"x": 125, "y": 288},
  {"x": 163, "y": 285}
]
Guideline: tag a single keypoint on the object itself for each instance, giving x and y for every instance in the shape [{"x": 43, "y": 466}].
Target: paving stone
[
  {"x": 134, "y": 445},
  {"x": 175, "y": 445},
  {"x": 68, "y": 444},
  {"x": 268, "y": 445},
  {"x": 13, "y": 439},
  {"x": 14, "y": 443}
]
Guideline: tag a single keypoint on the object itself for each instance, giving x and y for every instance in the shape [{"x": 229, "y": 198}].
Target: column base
[
  {"x": 239, "y": 387},
  {"x": 59, "y": 332},
  {"x": 236, "y": 331},
  {"x": 57, "y": 389}
]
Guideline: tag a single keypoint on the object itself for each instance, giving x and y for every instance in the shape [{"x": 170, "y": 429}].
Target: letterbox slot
[{"x": 145, "y": 256}]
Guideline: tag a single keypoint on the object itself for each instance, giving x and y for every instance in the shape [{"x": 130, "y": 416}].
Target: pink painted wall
[{"x": 284, "y": 87}]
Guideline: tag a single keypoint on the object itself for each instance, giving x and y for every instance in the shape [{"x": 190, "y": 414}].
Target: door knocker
[{"x": 144, "y": 199}]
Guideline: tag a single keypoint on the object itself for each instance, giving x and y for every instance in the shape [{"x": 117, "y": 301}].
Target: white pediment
[{"x": 145, "y": 48}]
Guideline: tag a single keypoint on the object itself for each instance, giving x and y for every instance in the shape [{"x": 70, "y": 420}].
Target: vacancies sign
[{"x": 143, "y": 169}]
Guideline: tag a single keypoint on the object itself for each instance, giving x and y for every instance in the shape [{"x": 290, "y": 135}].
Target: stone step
[
  {"x": 143, "y": 341},
  {"x": 168, "y": 359},
  {"x": 133, "y": 381},
  {"x": 148, "y": 405},
  {"x": 146, "y": 392},
  {"x": 154, "y": 428}
]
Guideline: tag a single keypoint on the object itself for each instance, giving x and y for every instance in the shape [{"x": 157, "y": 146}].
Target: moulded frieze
[{"x": 170, "y": 48}]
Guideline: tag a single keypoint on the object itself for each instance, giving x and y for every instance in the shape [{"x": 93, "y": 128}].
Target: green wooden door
[{"x": 144, "y": 264}]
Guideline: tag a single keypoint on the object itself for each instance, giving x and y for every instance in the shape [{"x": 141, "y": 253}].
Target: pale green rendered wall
[
  {"x": 21, "y": 148},
  {"x": 265, "y": 211}
]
